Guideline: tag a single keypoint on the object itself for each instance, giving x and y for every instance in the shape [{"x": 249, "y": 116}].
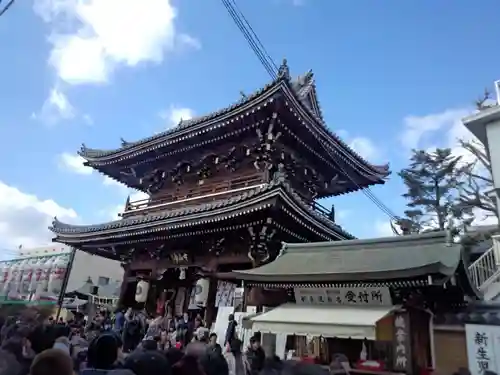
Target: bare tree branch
[{"x": 479, "y": 181}]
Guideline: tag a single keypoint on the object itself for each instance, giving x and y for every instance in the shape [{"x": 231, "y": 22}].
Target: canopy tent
[{"x": 326, "y": 321}]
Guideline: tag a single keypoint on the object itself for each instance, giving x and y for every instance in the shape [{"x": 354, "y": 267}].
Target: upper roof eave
[
  {"x": 373, "y": 259},
  {"x": 283, "y": 81}
]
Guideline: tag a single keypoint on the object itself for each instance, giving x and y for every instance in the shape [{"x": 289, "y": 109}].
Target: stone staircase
[{"x": 485, "y": 271}]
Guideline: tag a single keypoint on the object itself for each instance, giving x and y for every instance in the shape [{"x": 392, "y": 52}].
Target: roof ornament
[
  {"x": 83, "y": 148},
  {"x": 284, "y": 70},
  {"x": 331, "y": 214},
  {"x": 243, "y": 95},
  {"x": 124, "y": 142}
]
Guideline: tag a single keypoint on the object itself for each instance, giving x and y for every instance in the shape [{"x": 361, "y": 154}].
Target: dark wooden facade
[{"x": 227, "y": 188}]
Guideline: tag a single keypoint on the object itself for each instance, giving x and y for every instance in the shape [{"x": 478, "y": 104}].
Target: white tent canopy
[{"x": 326, "y": 321}]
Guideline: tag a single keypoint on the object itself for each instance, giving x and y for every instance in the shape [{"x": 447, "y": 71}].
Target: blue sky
[{"x": 391, "y": 75}]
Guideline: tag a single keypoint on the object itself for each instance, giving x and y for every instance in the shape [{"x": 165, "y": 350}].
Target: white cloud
[
  {"x": 365, "y": 147},
  {"x": 73, "y": 163},
  {"x": 110, "y": 182},
  {"x": 362, "y": 145},
  {"x": 25, "y": 218},
  {"x": 91, "y": 38},
  {"x": 56, "y": 107},
  {"x": 424, "y": 131},
  {"x": 175, "y": 114}
]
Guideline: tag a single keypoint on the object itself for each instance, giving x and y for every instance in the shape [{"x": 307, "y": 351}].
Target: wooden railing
[
  {"x": 207, "y": 193},
  {"x": 215, "y": 190}
]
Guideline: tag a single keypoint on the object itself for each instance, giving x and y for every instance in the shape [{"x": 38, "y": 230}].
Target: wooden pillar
[
  {"x": 124, "y": 285},
  {"x": 211, "y": 309}
]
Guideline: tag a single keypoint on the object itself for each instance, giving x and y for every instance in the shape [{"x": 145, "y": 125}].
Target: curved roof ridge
[
  {"x": 440, "y": 236},
  {"x": 183, "y": 125}
]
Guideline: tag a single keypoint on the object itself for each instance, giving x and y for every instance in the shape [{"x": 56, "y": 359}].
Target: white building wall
[{"x": 85, "y": 265}]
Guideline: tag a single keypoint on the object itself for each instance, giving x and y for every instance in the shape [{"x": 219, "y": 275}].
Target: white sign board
[
  {"x": 483, "y": 348},
  {"x": 344, "y": 296}
]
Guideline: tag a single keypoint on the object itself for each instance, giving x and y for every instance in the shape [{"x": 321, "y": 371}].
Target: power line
[
  {"x": 267, "y": 62},
  {"x": 6, "y": 7},
  {"x": 254, "y": 34},
  {"x": 253, "y": 43}
]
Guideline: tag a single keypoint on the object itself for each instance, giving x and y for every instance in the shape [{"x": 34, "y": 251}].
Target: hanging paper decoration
[{"x": 57, "y": 273}]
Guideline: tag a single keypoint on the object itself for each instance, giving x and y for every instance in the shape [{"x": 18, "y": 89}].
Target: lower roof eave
[{"x": 420, "y": 272}]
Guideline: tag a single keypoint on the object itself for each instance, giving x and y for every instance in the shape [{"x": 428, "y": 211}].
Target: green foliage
[{"x": 433, "y": 181}]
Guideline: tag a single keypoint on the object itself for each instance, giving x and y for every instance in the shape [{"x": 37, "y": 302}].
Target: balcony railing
[
  {"x": 208, "y": 193},
  {"x": 215, "y": 191}
]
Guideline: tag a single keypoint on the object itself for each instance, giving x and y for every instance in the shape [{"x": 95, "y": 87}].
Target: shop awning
[{"x": 326, "y": 321}]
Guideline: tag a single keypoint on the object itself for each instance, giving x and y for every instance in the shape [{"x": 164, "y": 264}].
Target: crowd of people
[{"x": 129, "y": 344}]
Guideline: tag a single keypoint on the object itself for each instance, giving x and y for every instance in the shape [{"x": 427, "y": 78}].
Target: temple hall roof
[
  {"x": 250, "y": 201},
  {"x": 299, "y": 98},
  {"x": 377, "y": 259}
]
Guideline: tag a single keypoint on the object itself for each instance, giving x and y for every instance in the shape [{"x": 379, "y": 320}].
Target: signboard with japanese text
[
  {"x": 344, "y": 296},
  {"x": 402, "y": 342},
  {"x": 483, "y": 348}
]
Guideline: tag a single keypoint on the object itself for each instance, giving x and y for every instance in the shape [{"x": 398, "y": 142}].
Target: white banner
[
  {"x": 344, "y": 296},
  {"x": 483, "y": 348}
]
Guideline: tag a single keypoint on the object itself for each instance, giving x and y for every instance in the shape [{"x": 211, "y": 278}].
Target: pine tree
[{"x": 433, "y": 181}]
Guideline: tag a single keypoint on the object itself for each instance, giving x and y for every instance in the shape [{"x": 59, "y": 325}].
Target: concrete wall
[
  {"x": 84, "y": 266},
  {"x": 93, "y": 266}
]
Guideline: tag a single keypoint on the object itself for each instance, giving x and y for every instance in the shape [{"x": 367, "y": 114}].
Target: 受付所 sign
[{"x": 344, "y": 296}]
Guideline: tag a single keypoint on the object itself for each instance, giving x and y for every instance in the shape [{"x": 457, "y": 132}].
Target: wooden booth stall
[
  {"x": 221, "y": 192},
  {"x": 367, "y": 304}
]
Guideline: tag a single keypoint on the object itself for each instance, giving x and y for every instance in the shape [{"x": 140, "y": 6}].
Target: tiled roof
[
  {"x": 301, "y": 91},
  {"x": 192, "y": 212},
  {"x": 355, "y": 260}
]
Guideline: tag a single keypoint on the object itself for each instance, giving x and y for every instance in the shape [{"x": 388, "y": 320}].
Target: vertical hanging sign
[{"x": 402, "y": 342}]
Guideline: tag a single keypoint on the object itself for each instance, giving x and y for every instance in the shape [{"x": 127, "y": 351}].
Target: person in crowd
[
  {"x": 164, "y": 343},
  {"x": 50, "y": 362},
  {"x": 9, "y": 365},
  {"x": 63, "y": 343},
  {"x": 236, "y": 360},
  {"x": 188, "y": 365},
  {"x": 173, "y": 355},
  {"x": 133, "y": 330},
  {"x": 199, "y": 345},
  {"x": 231, "y": 330},
  {"x": 119, "y": 319},
  {"x": 102, "y": 355},
  {"x": 214, "y": 363},
  {"x": 255, "y": 355},
  {"x": 213, "y": 345},
  {"x": 147, "y": 363}
]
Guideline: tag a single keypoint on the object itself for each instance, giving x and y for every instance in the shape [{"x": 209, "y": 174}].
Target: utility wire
[
  {"x": 268, "y": 63},
  {"x": 254, "y": 34},
  {"x": 6, "y": 7},
  {"x": 250, "y": 40}
]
